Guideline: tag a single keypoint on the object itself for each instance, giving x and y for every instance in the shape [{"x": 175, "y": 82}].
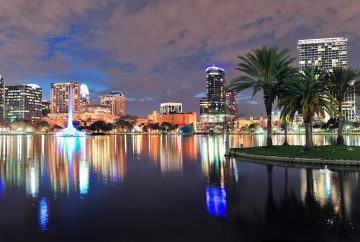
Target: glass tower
[{"x": 219, "y": 103}]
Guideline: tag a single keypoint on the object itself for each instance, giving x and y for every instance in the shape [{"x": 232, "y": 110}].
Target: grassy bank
[{"x": 325, "y": 152}]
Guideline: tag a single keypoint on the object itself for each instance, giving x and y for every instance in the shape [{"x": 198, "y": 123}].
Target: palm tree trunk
[
  {"x": 308, "y": 133},
  {"x": 340, "y": 138},
  {"x": 268, "y": 107},
  {"x": 285, "y": 133}
]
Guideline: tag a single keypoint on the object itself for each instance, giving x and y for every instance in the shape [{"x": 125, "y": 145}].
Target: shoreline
[{"x": 295, "y": 160}]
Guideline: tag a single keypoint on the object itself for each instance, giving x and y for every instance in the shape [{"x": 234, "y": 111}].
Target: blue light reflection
[
  {"x": 216, "y": 201},
  {"x": 43, "y": 214}
]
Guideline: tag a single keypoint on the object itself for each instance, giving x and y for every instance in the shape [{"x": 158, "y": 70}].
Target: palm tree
[
  {"x": 264, "y": 69},
  {"x": 341, "y": 83},
  {"x": 308, "y": 95}
]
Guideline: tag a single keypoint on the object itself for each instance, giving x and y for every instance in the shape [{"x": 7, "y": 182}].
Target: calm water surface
[{"x": 168, "y": 188}]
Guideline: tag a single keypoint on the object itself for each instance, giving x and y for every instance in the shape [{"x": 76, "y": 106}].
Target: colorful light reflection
[
  {"x": 43, "y": 214},
  {"x": 216, "y": 201}
]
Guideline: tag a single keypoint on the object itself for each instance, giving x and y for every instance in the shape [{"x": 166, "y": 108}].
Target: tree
[
  {"x": 308, "y": 95},
  {"x": 165, "y": 126},
  {"x": 41, "y": 124},
  {"x": 284, "y": 126},
  {"x": 253, "y": 127},
  {"x": 57, "y": 127},
  {"x": 332, "y": 123},
  {"x": 265, "y": 70},
  {"x": 124, "y": 124},
  {"x": 101, "y": 126},
  {"x": 341, "y": 82}
]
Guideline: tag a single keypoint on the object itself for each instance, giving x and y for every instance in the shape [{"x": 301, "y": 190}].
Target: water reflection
[
  {"x": 330, "y": 188},
  {"x": 188, "y": 175},
  {"x": 221, "y": 173},
  {"x": 43, "y": 214}
]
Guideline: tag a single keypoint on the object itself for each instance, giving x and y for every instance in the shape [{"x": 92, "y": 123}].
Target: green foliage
[
  {"x": 101, "y": 126},
  {"x": 165, "y": 126},
  {"x": 307, "y": 94},
  {"x": 332, "y": 123},
  {"x": 253, "y": 127},
  {"x": 342, "y": 81},
  {"x": 124, "y": 124},
  {"x": 265, "y": 70},
  {"x": 41, "y": 124},
  {"x": 154, "y": 126}
]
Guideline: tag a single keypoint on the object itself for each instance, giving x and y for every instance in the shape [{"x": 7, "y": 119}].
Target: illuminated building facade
[
  {"x": 59, "y": 97},
  {"x": 219, "y": 103},
  {"x": 115, "y": 101},
  {"x": 180, "y": 119},
  {"x": 45, "y": 108},
  {"x": 327, "y": 53},
  {"x": 169, "y": 108},
  {"x": 231, "y": 102},
  {"x": 23, "y": 102}
]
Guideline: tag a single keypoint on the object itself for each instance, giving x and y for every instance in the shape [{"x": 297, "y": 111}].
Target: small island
[{"x": 326, "y": 155}]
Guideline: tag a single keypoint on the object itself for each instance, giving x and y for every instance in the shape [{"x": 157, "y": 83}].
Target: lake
[{"x": 169, "y": 188}]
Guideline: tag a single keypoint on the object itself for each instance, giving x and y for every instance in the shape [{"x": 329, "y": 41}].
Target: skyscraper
[
  {"x": 219, "y": 102},
  {"x": 231, "y": 102},
  {"x": 59, "y": 97},
  {"x": 23, "y": 102},
  {"x": 115, "y": 100},
  {"x": 327, "y": 53}
]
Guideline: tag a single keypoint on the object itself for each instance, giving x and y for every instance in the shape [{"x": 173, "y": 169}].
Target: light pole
[
  {"x": 227, "y": 140},
  {"x": 2, "y": 81}
]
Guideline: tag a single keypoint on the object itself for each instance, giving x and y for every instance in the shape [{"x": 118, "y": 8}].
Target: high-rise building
[
  {"x": 23, "y": 102},
  {"x": 169, "y": 108},
  {"x": 231, "y": 102},
  {"x": 45, "y": 107},
  {"x": 59, "y": 97},
  {"x": 219, "y": 103},
  {"x": 84, "y": 97},
  {"x": 327, "y": 53},
  {"x": 115, "y": 101},
  {"x": 2, "y": 99}
]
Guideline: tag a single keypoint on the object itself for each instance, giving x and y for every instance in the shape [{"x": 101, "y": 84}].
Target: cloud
[
  {"x": 246, "y": 100},
  {"x": 157, "y": 48},
  {"x": 200, "y": 94}
]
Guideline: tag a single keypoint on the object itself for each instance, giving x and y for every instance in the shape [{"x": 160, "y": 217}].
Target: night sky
[{"x": 157, "y": 51}]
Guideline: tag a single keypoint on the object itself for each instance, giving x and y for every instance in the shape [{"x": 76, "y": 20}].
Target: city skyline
[{"x": 102, "y": 44}]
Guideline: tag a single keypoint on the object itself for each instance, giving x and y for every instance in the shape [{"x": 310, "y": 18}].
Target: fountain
[{"x": 70, "y": 130}]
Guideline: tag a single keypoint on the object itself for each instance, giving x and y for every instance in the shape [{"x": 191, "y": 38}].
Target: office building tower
[
  {"x": 215, "y": 81},
  {"x": 219, "y": 103},
  {"x": 231, "y": 102},
  {"x": 169, "y": 108},
  {"x": 45, "y": 107},
  {"x": 115, "y": 100},
  {"x": 23, "y": 102},
  {"x": 327, "y": 53},
  {"x": 59, "y": 97}
]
